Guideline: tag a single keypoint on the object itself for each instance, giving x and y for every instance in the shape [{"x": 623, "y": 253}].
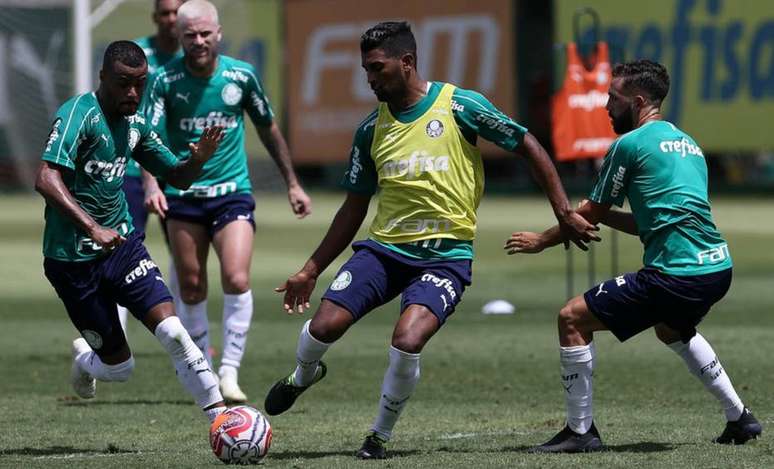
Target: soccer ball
[{"x": 240, "y": 435}]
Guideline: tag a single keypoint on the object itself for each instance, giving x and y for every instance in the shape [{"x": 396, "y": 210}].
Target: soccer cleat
[
  {"x": 739, "y": 432},
  {"x": 229, "y": 387},
  {"x": 83, "y": 384},
  {"x": 567, "y": 441},
  {"x": 284, "y": 393},
  {"x": 373, "y": 448}
]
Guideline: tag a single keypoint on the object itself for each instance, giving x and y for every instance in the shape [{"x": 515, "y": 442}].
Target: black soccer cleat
[
  {"x": 741, "y": 431},
  {"x": 284, "y": 393},
  {"x": 567, "y": 441},
  {"x": 373, "y": 448}
]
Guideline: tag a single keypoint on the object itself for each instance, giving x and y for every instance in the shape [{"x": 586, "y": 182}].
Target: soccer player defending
[
  {"x": 199, "y": 89},
  {"x": 662, "y": 171},
  {"x": 94, "y": 257},
  {"x": 419, "y": 148},
  {"x": 159, "y": 49}
]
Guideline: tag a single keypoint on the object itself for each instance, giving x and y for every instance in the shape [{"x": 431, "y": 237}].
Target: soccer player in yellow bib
[{"x": 419, "y": 149}]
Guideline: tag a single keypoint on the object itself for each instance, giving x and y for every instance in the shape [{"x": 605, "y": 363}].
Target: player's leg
[
  {"x": 361, "y": 285},
  {"x": 102, "y": 352},
  {"x": 144, "y": 292},
  {"x": 697, "y": 294},
  {"x": 428, "y": 300},
  {"x": 191, "y": 367},
  {"x": 189, "y": 243},
  {"x": 233, "y": 244}
]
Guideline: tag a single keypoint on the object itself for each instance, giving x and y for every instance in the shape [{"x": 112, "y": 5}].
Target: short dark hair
[
  {"x": 646, "y": 76},
  {"x": 393, "y": 37},
  {"x": 126, "y": 52}
]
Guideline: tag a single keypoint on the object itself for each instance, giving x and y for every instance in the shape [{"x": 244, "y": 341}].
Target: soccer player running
[
  {"x": 687, "y": 265},
  {"x": 199, "y": 89},
  {"x": 94, "y": 258},
  {"x": 419, "y": 148},
  {"x": 159, "y": 49}
]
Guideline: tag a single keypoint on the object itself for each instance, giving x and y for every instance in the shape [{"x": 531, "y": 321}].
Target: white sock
[
  {"x": 213, "y": 412},
  {"x": 192, "y": 369},
  {"x": 703, "y": 363},
  {"x": 91, "y": 364},
  {"x": 400, "y": 380},
  {"x": 194, "y": 319},
  {"x": 237, "y": 312},
  {"x": 308, "y": 355},
  {"x": 122, "y": 316},
  {"x": 577, "y": 372}
]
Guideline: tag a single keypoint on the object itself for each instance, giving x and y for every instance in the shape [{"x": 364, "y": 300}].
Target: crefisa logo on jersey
[
  {"x": 231, "y": 94},
  {"x": 134, "y": 138},
  {"x": 434, "y": 128},
  {"x": 54, "y": 134}
]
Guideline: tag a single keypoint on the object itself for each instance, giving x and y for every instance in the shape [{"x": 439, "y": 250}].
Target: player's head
[
  {"x": 122, "y": 78},
  {"x": 199, "y": 32},
  {"x": 389, "y": 57},
  {"x": 637, "y": 86},
  {"x": 165, "y": 17}
]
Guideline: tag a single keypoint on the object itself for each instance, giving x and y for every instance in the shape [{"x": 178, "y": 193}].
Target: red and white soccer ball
[{"x": 240, "y": 435}]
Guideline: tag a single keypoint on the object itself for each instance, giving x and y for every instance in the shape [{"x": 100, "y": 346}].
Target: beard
[{"x": 624, "y": 122}]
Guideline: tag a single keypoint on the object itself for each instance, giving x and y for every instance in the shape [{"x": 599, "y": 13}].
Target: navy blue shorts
[
  {"x": 214, "y": 213},
  {"x": 374, "y": 275},
  {"x": 636, "y": 301},
  {"x": 135, "y": 197},
  {"x": 90, "y": 290}
]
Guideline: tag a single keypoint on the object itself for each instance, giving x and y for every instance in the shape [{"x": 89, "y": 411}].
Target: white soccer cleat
[
  {"x": 83, "y": 384},
  {"x": 229, "y": 387}
]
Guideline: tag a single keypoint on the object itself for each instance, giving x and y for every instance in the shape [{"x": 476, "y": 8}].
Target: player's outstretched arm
[
  {"x": 527, "y": 242},
  {"x": 275, "y": 144},
  {"x": 298, "y": 288},
  {"x": 573, "y": 227},
  {"x": 51, "y": 186},
  {"x": 187, "y": 171}
]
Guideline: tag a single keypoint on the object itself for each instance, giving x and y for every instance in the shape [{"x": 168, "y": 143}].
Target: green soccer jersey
[
  {"x": 662, "y": 171},
  {"x": 182, "y": 105},
  {"x": 156, "y": 59},
  {"x": 95, "y": 152},
  {"x": 473, "y": 115}
]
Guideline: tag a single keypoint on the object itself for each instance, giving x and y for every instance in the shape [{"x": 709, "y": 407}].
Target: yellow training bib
[{"x": 430, "y": 178}]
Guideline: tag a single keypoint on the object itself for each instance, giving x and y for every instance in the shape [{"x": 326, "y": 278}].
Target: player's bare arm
[
  {"x": 618, "y": 220},
  {"x": 155, "y": 200},
  {"x": 275, "y": 144},
  {"x": 527, "y": 242},
  {"x": 51, "y": 186},
  {"x": 186, "y": 172},
  {"x": 298, "y": 288},
  {"x": 573, "y": 227}
]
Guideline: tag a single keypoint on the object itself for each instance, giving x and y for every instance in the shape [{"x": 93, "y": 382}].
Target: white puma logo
[
  {"x": 183, "y": 97},
  {"x": 601, "y": 289}
]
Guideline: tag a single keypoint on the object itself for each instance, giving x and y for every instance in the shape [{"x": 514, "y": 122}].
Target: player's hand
[
  {"x": 298, "y": 288},
  {"x": 300, "y": 203},
  {"x": 156, "y": 202},
  {"x": 108, "y": 239},
  {"x": 577, "y": 229},
  {"x": 525, "y": 242},
  {"x": 207, "y": 144}
]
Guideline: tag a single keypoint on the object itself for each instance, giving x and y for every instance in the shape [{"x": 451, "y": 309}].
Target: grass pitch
[{"x": 489, "y": 386}]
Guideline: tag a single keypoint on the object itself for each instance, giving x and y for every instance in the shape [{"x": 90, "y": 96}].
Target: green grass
[{"x": 489, "y": 386}]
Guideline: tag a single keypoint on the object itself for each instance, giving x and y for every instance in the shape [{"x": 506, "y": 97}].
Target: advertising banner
[
  {"x": 469, "y": 44},
  {"x": 719, "y": 54}
]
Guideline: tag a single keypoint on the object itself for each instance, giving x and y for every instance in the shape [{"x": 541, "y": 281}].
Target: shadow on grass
[
  {"x": 62, "y": 451},
  {"x": 643, "y": 447},
  {"x": 324, "y": 454},
  {"x": 75, "y": 402}
]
